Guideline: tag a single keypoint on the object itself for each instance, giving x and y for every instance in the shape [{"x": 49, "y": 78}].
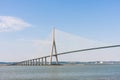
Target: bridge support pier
[
  {"x": 39, "y": 61},
  {"x": 45, "y": 61}
]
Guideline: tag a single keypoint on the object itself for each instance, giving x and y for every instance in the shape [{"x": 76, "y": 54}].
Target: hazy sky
[{"x": 26, "y": 25}]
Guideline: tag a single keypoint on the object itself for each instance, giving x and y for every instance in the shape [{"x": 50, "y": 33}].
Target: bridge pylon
[{"x": 53, "y": 49}]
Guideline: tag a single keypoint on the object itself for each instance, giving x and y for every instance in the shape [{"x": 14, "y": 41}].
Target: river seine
[{"x": 67, "y": 72}]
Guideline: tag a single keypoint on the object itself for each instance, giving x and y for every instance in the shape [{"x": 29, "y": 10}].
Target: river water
[{"x": 67, "y": 72}]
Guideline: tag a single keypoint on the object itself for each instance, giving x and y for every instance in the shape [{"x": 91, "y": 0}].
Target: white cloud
[{"x": 8, "y": 24}]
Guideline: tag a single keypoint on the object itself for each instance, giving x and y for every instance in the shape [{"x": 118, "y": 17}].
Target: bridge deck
[{"x": 43, "y": 60}]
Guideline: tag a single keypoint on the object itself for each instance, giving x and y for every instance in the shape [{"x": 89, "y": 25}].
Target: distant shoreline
[{"x": 73, "y": 63}]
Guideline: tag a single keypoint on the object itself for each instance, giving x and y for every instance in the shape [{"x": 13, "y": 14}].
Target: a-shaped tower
[{"x": 54, "y": 49}]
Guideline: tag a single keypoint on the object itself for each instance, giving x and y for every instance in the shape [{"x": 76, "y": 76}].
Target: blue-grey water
[{"x": 68, "y": 72}]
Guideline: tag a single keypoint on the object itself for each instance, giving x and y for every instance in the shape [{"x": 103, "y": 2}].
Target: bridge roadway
[{"x": 43, "y": 60}]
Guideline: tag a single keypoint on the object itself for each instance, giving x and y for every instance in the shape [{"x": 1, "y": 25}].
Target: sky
[{"x": 26, "y": 26}]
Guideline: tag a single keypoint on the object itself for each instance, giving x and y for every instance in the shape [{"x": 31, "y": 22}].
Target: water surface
[{"x": 68, "y": 72}]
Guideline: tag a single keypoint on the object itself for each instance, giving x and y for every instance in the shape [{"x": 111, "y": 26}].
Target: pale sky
[{"x": 26, "y": 26}]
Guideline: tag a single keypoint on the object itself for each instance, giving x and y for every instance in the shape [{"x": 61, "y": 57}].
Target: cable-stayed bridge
[{"x": 47, "y": 60}]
